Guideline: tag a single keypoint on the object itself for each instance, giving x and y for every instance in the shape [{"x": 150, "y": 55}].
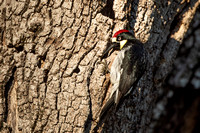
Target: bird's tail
[{"x": 105, "y": 108}]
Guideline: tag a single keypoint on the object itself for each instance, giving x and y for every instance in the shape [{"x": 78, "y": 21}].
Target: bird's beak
[
  {"x": 122, "y": 43},
  {"x": 109, "y": 48}
]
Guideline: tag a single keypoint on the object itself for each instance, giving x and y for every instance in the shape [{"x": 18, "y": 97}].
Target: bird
[{"x": 127, "y": 68}]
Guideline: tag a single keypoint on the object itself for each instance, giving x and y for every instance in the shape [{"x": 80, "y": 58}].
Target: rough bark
[
  {"x": 178, "y": 107},
  {"x": 51, "y": 76}
]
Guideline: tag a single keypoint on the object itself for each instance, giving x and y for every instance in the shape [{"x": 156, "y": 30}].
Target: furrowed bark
[{"x": 52, "y": 78}]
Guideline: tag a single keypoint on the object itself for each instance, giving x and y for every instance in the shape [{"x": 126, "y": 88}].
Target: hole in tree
[
  {"x": 77, "y": 70},
  {"x": 20, "y": 48}
]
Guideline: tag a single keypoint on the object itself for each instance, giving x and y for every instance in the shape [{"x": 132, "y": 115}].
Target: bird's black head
[
  {"x": 119, "y": 39},
  {"x": 122, "y": 37}
]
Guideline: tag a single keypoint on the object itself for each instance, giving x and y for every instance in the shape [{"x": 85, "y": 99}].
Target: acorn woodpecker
[{"x": 127, "y": 68}]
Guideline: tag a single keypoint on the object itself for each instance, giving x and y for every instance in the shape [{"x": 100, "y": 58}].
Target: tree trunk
[
  {"x": 52, "y": 78},
  {"x": 178, "y": 104}
]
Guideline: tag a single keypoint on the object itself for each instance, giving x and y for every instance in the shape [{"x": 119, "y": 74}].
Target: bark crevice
[{"x": 8, "y": 87}]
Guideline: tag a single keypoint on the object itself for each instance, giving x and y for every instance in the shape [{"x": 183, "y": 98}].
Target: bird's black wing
[{"x": 133, "y": 66}]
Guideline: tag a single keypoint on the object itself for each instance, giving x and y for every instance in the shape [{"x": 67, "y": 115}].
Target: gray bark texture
[{"x": 52, "y": 79}]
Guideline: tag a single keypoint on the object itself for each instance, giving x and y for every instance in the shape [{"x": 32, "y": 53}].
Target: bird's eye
[{"x": 119, "y": 38}]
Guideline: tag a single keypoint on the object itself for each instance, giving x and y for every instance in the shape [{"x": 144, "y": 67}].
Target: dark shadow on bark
[
  {"x": 108, "y": 10},
  {"x": 182, "y": 109},
  {"x": 88, "y": 123},
  {"x": 8, "y": 87},
  {"x": 177, "y": 108}
]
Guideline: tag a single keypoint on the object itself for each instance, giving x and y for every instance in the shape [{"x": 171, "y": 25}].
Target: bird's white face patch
[{"x": 114, "y": 39}]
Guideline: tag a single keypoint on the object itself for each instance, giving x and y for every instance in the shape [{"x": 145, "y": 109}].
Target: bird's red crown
[{"x": 118, "y": 32}]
